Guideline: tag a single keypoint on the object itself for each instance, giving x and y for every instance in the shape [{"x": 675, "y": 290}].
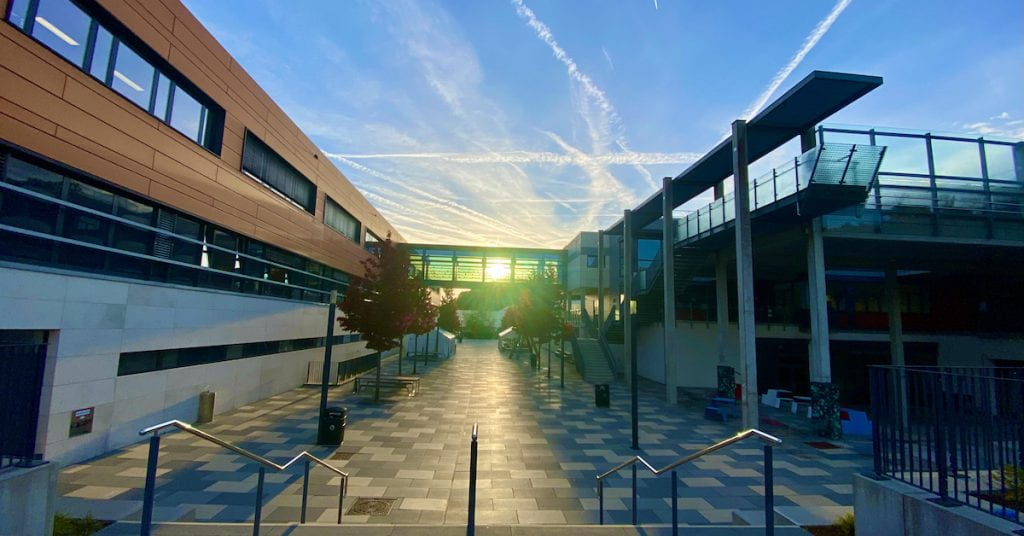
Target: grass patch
[{"x": 65, "y": 525}]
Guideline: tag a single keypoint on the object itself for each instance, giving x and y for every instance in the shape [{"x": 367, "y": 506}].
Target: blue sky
[{"x": 522, "y": 122}]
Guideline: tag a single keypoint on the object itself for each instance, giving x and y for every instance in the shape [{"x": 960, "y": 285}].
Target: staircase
[{"x": 591, "y": 360}]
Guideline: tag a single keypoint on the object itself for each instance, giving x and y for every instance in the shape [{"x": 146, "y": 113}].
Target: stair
[
  {"x": 595, "y": 366},
  {"x": 126, "y": 528}
]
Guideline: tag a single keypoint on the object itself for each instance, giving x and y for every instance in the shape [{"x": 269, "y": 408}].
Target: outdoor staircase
[{"x": 594, "y": 365}]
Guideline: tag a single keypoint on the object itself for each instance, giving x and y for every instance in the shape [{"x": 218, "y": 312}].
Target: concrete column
[
  {"x": 821, "y": 367},
  {"x": 894, "y": 307},
  {"x": 629, "y": 261},
  {"x": 600, "y": 284},
  {"x": 1018, "y": 160},
  {"x": 744, "y": 274},
  {"x": 722, "y": 303},
  {"x": 668, "y": 273}
]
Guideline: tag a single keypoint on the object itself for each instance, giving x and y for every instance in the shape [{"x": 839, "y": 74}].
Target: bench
[
  {"x": 775, "y": 397},
  {"x": 411, "y": 383},
  {"x": 854, "y": 423},
  {"x": 801, "y": 405}
]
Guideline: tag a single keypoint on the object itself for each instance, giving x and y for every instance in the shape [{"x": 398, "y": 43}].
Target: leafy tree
[
  {"x": 538, "y": 312},
  {"x": 424, "y": 320},
  {"x": 383, "y": 304},
  {"x": 448, "y": 312},
  {"x": 479, "y": 325}
]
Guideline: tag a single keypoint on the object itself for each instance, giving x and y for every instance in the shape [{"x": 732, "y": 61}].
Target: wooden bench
[{"x": 411, "y": 383}]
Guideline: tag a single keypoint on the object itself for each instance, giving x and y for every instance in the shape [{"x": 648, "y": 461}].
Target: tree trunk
[{"x": 400, "y": 352}]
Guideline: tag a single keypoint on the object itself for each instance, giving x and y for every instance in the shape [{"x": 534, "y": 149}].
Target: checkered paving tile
[{"x": 540, "y": 449}]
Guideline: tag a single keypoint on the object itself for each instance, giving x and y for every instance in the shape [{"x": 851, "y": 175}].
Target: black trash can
[
  {"x": 602, "y": 395},
  {"x": 332, "y": 426}
]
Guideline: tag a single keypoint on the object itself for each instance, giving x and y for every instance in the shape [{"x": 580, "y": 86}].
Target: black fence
[{"x": 956, "y": 432}]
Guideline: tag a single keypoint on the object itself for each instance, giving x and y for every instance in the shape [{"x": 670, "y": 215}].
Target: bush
[
  {"x": 845, "y": 525},
  {"x": 65, "y": 525},
  {"x": 479, "y": 325}
]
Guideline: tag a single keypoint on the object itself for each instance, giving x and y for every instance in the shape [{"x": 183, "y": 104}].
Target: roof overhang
[{"x": 804, "y": 106}]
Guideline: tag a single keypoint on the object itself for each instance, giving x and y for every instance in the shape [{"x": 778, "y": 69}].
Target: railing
[
  {"x": 189, "y": 260},
  {"x": 769, "y": 495},
  {"x": 955, "y": 432},
  {"x": 154, "y": 452},
  {"x": 831, "y": 163},
  {"x": 471, "y": 521}
]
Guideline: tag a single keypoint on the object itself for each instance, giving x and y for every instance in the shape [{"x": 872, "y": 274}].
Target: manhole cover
[
  {"x": 371, "y": 507},
  {"x": 341, "y": 456}
]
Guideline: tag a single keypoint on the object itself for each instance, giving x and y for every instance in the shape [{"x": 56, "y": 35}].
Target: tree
[
  {"x": 424, "y": 320},
  {"x": 448, "y": 312},
  {"x": 382, "y": 305},
  {"x": 538, "y": 311},
  {"x": 479, "y": 325}
]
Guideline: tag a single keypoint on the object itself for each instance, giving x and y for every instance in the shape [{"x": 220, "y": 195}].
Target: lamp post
[{"x": 325, "y": 377}]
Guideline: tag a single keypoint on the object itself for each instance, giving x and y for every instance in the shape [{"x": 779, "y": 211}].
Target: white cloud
[
  {"x": 812, "y": 39},
  {"x": 623, "y": 158}
]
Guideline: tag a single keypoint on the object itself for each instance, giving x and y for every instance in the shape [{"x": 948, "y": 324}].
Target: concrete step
[{"x": 125, "y": 528}]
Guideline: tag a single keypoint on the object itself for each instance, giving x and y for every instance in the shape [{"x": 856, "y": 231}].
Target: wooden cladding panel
[{"x": 51, "y": 107}]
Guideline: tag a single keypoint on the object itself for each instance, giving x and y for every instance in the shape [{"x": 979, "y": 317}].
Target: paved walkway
[{"x": 540, "y": 449}]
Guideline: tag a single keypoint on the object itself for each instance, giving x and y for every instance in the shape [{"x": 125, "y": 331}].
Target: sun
[{"x": 498, "y": 272}]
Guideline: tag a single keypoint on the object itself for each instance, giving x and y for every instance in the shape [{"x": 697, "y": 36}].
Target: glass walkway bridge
[{"x": 471, "y": 266}]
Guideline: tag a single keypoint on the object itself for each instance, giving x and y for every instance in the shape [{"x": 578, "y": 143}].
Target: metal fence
[{"x": 956, "y": 432}]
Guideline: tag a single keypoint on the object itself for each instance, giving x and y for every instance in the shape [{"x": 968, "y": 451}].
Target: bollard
[
  {"x": 259, "y": 502},
  {"x": 471, "y": 523},
  {"x": 147, "y": 497},
  {"x": 305, "y": 491},
  {"x": 769, "y": 493}
]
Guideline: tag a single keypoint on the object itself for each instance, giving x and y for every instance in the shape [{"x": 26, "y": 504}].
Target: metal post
[
  {"x": 549, "y": 358},
  {"x": 325, "y": 376},
  {"x": 259, "y": 502},
  {"x": 342, "y": 491},
  {"x": 600, "y": 284},
  {"x": 471, "y": 523},
  {"x": 744, "y": 274},
  {"x": 675, "y": 504},
  {"x": 600, "y": 501},
  {"x": 769, "y": 492},
  {"x": 561, "y": 359},
  {"x": 147, "y": 496},
  {"x": 634, "y": 494},
  {"x": 629, "y": 263},
  {"x": 305, "y": 490},
  {"x": 669, "y": 278}
]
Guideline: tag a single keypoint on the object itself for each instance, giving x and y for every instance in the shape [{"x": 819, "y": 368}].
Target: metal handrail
[
  {"x": 154, "y": 452},
  {"x": 769, "y": 496},
  {"x": 239, "y": 450},
  {"x": 767, "y": 438}
]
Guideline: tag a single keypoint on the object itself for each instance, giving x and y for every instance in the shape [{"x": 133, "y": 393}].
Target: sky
[{"x": 522, "y": 122}]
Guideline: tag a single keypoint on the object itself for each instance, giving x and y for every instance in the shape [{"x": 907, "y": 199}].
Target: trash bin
[
  {"x": 602, "y": 395},
  {"x": 332, "y": 426},
  {"x": 533, "y": 360},
  {"x": 206, "y": 399}
]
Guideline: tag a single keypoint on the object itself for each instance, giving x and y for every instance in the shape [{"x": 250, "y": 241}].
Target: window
[
  {"x": 340, "y": 220},
  {"x": 265, "y": 165},
  {"x": 83, "y": 34},
  {"x": 161, "y": 250},
  {"x": 591, "y": 261},
  {"x": 371, "y": 241}
]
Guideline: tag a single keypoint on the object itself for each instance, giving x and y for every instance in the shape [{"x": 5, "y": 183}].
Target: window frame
[
  {"x": 245, "y": 146},
  {"x": 359, "y": 225},
  {"x": 212, "y": 137}
]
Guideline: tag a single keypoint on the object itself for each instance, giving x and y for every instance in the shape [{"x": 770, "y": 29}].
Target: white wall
[{"x": 91, "y": 321}]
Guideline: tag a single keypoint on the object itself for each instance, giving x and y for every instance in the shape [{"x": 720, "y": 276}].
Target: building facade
[{"x": 165, "y": 228}]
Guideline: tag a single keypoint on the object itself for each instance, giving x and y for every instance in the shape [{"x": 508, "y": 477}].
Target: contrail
[
  {"x": 623, "y": 158},
  {"x": 819, "y": 31}
]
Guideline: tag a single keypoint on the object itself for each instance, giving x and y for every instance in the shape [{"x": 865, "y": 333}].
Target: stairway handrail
[
  {"x": 767, "y": 438},
  {"x": 185, "y": 427}
]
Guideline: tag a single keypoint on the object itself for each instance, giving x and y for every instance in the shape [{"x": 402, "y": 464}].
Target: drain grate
[{"x": 374, "y": 507}]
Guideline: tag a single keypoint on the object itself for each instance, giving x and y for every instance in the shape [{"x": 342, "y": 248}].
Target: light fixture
[
  {"x": 127, "y": 81},
  {"x": 56, "y": 31}
]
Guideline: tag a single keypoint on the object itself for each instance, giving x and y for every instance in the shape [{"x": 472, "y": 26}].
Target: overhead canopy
[{"x": 811, "y": 101}]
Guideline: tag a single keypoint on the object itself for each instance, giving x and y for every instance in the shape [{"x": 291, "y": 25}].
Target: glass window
[
  {"x": 133, "y": 76},
  {"x": 60, "y": 25},
  {"x": 19, "y": 13},
  {"x": 340, "y": 220},
  {"x": 371, "y": 241},
  {"x": 187, "y": 115},
  {"x": 129, "y": 237},
  {"x": 163, "y": 97},
  {"x": 591, "y": 261},
  {"x": 261, "y": 162},
  {"x": 101, "y": 54},
  {"x": 37, "y": 179},
  {"x": 90, "y": 196}
]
